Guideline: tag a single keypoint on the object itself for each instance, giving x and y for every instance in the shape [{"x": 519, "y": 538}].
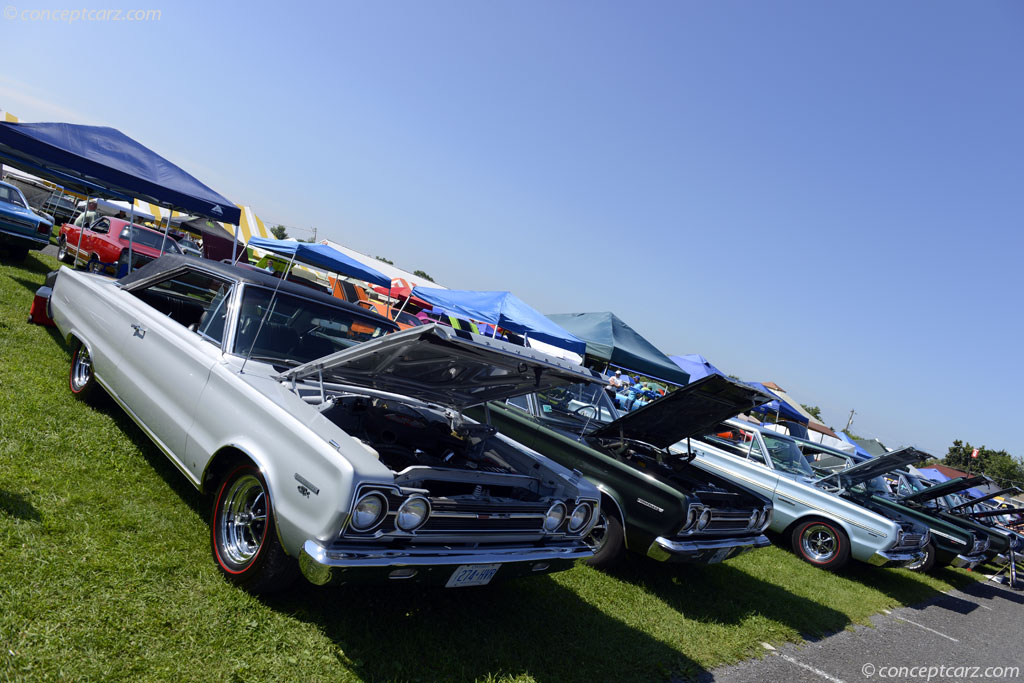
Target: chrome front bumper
[
  {"x": 967, "y": 561},
  {"x": 351, "y": 564},
  {"x": 894, "y": 558},
  {"x": 703, "y": 551}
]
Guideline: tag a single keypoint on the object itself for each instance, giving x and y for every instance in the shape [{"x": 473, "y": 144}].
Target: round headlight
[
  {"x": 556, "y": 514},
  {"x": 766, "y": 518},
  {"x": 755, "y": 518},
  {"x": 580, "y": 516},
  {"x": 691, "y": 518},
  {"x": 369, "y": 511},
  {"x": 704, "y": 520},
  {"x": 412, "y": 513}
]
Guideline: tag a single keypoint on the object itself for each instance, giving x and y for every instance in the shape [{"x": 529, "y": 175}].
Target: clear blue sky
[{"x": 824, "y": 195}]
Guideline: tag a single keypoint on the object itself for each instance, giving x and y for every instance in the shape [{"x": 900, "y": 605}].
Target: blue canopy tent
[
  {"x": 856, "y": 446},
  {"x": 781, "y": 409},
  {"x": 501, "y": 309},
  {"x": 98, "y": 159},
  {"x": 322, "y": 256},
  {"x": 612, "y": 342},
  {"x": 696, "y": 365},
  {"x": 106, "y": 161}
]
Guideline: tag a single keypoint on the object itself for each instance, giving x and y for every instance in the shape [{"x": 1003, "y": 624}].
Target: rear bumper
[
  {"x": 895, "y": 558},
  {"x": 18, "y": 236},
  {"x": 367, "y": 564},
  {"x": 703, "y": 551}
]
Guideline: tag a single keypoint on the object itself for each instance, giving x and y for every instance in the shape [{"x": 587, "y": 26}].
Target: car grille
[
  {"x": 912, "y": 540},
  {"x": 733, "y": 520},
  {"x": 449, "y": 516}
]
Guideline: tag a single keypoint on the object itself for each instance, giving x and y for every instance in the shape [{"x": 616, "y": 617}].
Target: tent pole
[
  {"x": 166, "y": 230},
  {"x": 495, "y": 335},
  {"x": 234, "y": 244},
  {"x": 81, "y": 230},
  {"x": 131, "y": 233},
  {"x": 389, "y": 300},
  {"x": 404, "y": 304}
]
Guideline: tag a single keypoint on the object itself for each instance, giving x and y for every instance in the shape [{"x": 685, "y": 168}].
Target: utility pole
[{"x": 850, "y": 421}]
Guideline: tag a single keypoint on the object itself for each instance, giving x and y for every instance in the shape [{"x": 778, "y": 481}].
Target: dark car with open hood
[{"x": 654, "y": 502}]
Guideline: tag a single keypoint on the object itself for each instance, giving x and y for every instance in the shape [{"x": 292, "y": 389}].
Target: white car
[
  {"x": 330, "y": 442},
  {"x": 823, "y": 528}
]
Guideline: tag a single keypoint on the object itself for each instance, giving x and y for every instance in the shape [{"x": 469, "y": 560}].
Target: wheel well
[
  {"x": 221, "y": 465},
  {"x": 809, "y": 518}
]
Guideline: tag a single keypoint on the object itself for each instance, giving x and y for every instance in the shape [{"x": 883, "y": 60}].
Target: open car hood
[
  {"x": 869, "y": 469},
  {"x": 445, "y": 366},
  {"x": 685, "y": 412},
  {"x": 944, "y": 489}
]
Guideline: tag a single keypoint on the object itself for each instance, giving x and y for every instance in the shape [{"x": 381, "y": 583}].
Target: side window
[
  {"x": 521, "y": 402},
  {"x": 734, "y": 440},
  {"x": 102, "y": 225},
  {"x": 212, "y": 324},
  {"x": 192, "y": 298}
]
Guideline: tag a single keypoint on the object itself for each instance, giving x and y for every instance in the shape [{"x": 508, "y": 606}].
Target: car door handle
[{"x": 140, "y": 331}]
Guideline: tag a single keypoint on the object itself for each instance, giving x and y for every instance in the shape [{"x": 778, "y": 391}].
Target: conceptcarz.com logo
[{"x": 72, "y": 16}]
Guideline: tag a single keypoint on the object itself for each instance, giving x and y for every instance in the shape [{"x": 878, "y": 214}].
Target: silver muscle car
[
  {"x": 330, "y": 442},
  {"x": 823, "y": 528}
]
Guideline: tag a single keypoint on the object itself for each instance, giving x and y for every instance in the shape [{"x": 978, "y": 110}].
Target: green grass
[{"x": 106, "y": 574}]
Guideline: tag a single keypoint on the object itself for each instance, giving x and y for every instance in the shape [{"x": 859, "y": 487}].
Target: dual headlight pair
[
  {"x": 697, "y": 519},
  {"x": 371, "y": 509},
  {"x": 579, "y": 519},
  {"x": 759, "y": 518}
]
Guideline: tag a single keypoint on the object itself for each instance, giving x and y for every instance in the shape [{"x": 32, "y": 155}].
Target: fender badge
[
  {"x": 649, "y": 504},
  {"x": 306, "y": 484}
]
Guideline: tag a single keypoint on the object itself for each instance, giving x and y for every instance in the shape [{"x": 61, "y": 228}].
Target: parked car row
[{"x": 338, "y": 446}]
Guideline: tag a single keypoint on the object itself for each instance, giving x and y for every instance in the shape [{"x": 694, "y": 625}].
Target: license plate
[
  {"x": 472, "y": 575},
  {"x": 720, "y": 555}
]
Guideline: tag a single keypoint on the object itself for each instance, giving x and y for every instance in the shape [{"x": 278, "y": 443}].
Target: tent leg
[
  {"x": 81, "y": 230},
  {"x": 234, "y": 244},
  {"x": 167, "y": 229},
  {"x": 131, "y": 234}
]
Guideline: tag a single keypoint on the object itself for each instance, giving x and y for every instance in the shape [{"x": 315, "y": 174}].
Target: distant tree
[
  {"x": 279, "y": 231},
  {"x": 999, "y": 465},
  {"x": 813, "y": 410},
  {"x": 385, "y": 260},
  {"x": 423, "y": 275}
]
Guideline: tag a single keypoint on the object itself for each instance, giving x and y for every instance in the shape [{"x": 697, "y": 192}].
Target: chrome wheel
[
  {"x": 81, "y": 369},
  {"x": 598, "y": 535},
  {"x": 62, "y": 250},
  {"x": 242, "y": 520},
  {"x": 819, "y": 543}
]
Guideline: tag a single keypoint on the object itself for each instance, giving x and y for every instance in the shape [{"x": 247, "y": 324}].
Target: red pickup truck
[{"x": 104, "y": 245}]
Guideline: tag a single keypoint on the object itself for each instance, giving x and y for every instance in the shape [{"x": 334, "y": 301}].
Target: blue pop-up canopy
[
  {"x": 856, "y": 446},
  {"x": 778, "y": 406},
  {"x": 696, "y": 365},
  {"x": 322, "y": 256},
  {"x": 95, "y": 158},
  {"x": 503, "y": 309}
]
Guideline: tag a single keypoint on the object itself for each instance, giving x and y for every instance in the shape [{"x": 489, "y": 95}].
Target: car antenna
[{"x": 266, "y": 313}]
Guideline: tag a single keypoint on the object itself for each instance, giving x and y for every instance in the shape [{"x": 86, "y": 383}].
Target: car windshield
[
  {"x": 878, "y": 486},
  {"x": 298, "y": 330},
  {"x": 577, "y": 405},
  {"x": 786, "y": 456},
  {"x": 11, "y": 196},
  {"x": 149, "y": 238}
]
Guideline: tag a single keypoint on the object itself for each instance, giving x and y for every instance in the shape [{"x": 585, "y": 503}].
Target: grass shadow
[
  {"x": 902, "y": 585},
  {"x": 531, "y": 627},
  {"x": 724, "y": 594},
  {"x": 17, "y": 505}
]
